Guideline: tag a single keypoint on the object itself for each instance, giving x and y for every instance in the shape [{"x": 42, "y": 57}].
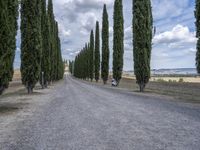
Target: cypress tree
[
  {"x": 4, "y": 42},
  {"x": 97, "y": 53},
  {"x": 55, "y": 52},
  {"x": 105, "y": 46},
  {"x": 88, "y": 60},
  {"x": 31, "y": 42},
  {"x": 51, "y": 19},
  {"x": 60, "y": 62},
  {"x": 197, "y": 16},
  {"x": 45, "y": 60},
  {"x": 8, "y": 31},
  {"x": 91, "y": 55},
  {"x": 13, "y": 17},
  {"x": 142, "y": 40},
  {"x": 118, "y": 41}
]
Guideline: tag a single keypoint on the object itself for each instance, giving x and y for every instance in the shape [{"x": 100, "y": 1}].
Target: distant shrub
[
  {"x": 161, "y": 80},
  {"x": 172, "y": 81},
  {"x": 181, "y": 80}
]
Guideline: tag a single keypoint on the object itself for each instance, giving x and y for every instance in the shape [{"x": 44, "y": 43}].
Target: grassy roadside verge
[{"x": 185, "y": 92}]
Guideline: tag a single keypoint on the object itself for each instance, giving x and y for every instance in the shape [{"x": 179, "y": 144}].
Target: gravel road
[{"x": 81, "y": 116}]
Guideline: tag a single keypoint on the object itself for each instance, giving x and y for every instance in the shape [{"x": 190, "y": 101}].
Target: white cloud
[
  {"x": 174, "y": 44},
  {"x": 177, "y": 37}
]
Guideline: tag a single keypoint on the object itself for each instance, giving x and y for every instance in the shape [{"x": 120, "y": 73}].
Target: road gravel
[{"x": 81, "y": 116}]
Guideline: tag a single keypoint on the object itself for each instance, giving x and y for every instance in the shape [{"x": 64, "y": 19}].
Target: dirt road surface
[{"x": 76, "y": 115}]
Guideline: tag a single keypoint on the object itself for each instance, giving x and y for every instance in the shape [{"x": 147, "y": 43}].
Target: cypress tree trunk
[
  {"x": 197, "y": 16},
  {"x": 91, "y": 55},
  {"x": 105, "y": 46},
  {"x": 142, "y": 41},
  {"x": 31, "y": 42},
  {"x": 118, "y": 41},
  {"x": 97, "y": 53}
]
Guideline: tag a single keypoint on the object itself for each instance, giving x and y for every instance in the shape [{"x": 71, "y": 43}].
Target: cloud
[
  {"x": 174, "y": 44},
  {"x": 179, "y": 36},
  {"x": 88, "y": 22}
]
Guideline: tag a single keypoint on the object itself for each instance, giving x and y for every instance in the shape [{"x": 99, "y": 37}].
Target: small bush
[
  {"x": 161, "y": 80},
  {"x": 172, "y": 81},
  {"x": 181, "y": 80}
]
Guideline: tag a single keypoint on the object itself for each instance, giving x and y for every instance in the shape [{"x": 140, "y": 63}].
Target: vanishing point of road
[{"x": 82, "y": 116}]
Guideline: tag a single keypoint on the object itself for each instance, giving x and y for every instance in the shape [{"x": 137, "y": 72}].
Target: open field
[
  {"x": 171, "y": 78},
  {"x": 183, "y": 91}
]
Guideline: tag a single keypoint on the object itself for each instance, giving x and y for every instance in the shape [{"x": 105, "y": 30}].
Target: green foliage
[
  {"x": 81, "y": 66},
  {"x": 45, "y": 58},
  {"x": 71, "y": 66},
  {"x": 105, "y": 46},
  {"x": 181, "y": 80},
  {"x": 118, "y": 40},
  {"x": 97, "y": 53},
  {"x": 91, "y": 68},
  {"x": 8, "y": 31},
  {"x": 142, "y": 40},
  {"x": 197, "y": 16},
  {"x": 56, "y": 67},
  {"x": 31, "y": 45}
]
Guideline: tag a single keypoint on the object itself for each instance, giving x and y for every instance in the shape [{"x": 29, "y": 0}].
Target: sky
[{"x": 174, "y": 44}]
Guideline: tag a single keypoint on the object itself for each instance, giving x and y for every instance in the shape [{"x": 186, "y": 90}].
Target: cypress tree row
[
  {"x": 59, "y": 61},
  {"x": 40, "y": 48},
  {"x": 31, "y": 42},
  {"x": 97, "y": 53},
  {"x": 118, "y": 41},
  {"x": 8, "y": 31},
  {"x": 81, "y": 65},
  {"x": 142, "y": 40},
  {"x": 197, "y": 16},
  {"x": 56, "y": 63},
  {"x": 105, "y": 46},
  {"x": 71, "y": 66},
  {"x": 91, "y": 56}
]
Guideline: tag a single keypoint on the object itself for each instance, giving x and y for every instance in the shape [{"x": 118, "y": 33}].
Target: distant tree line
[
  {"x": 41, "y": 58},
  {"x": 87, "y": 62}
]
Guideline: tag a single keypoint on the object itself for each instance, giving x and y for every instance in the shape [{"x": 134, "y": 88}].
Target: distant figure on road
[{"x": 114, "y": 82}]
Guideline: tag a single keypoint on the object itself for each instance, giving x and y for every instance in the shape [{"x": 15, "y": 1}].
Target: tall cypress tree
[
  {"x": 97, "y": 53},
  {"x": 59, "y": 60},
  {"x": 91, "y": 55},
  {"x": 31, "y": 42},
  {"x": 13, "y": 17},
  {"x": 88, "y": 60},
  {"x": 105, "y": 46},
  {"x": 51, "y": 19},
  {"x": 45, "y": 60},
  {"x": 197, "y": 16},
  {"x": 142, "y": 40},
  {"x": 118, "y": 41},
  {"x": 8, "y": 31}
]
